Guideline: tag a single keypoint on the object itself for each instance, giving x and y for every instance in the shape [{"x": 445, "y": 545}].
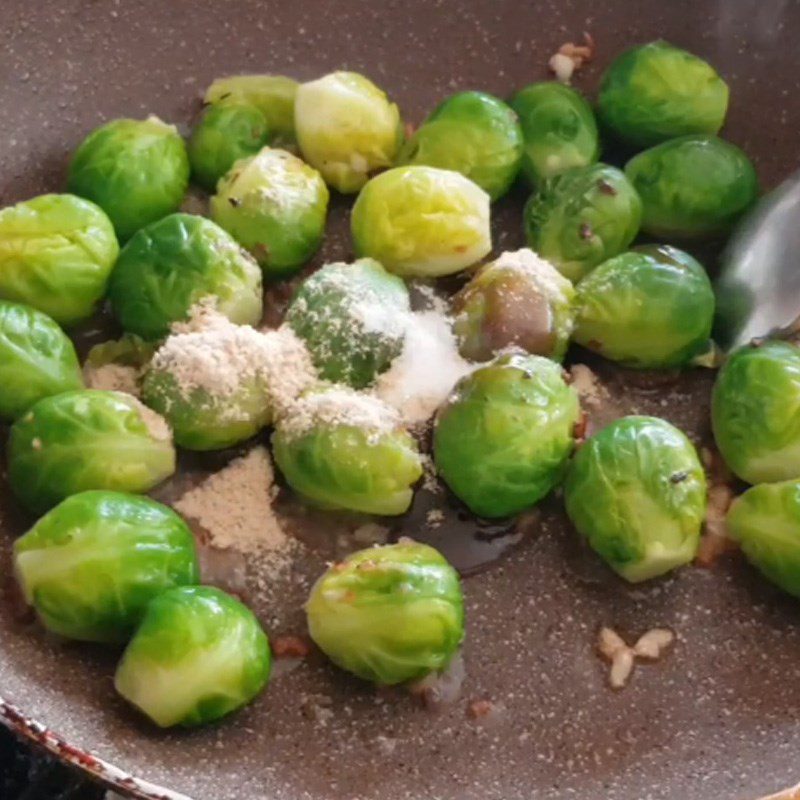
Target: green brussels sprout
[
  {"x": 341, "y": 449},
  {"x": 422, "y": 222},
  {"x": 129, "y": 350},
  {"x": 518, "y": 300},
  {"x": 656, "y": 92},
  {"x": 224, "y": 134},
  {"x": 198, "y": 655},
  {"x": 56, "y": 253},
  {"x": 558, "y": 130},
  {"x": 637, "y": 492},
  {"x": 473, "y": 133},
  {"x": 649, "y": 308},
  {"x": 169, "y": 266},
  {"x": 273, "y": 95},
  {"x": 92, "y": 564},
  {"x": 137, "y": 171},
  {"x": 275, "y": 206},
  {"x": 388, "y": 614},
  {"x": 87, "y": 439},
  {"x": 755, "y": 412},
  {"x": 346, "y": 128},
  {"x": 37, "y": 359},
  {"x": 502, "y": 439},
  {"x": 582, "y": 217},
  {"x": 353, "y": 319},
  {"x": 765, "y": 521},
  {"x": 692, "y": 187},
  {"x": 208, "y": 385}
]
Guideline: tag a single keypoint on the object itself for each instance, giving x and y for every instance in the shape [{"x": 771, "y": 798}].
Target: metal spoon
[{"x": 758, "y": 287}]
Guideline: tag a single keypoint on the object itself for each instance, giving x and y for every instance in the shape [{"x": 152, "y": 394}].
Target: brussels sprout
[
  {"x": 422, "y": 222},
  {"x": 518, "y": 300},
  {"x": 56, "y": 253},
  {"x": 656, "y": 92},
  {"x": 472, "y": 133},
  {"x": 388, "y": 614},
  {"x": 224, "y": 134},
  {"x": 582, "y": 217},
  {"x": 275, "y": 206},
  {"x": 273, "y": 95},
  {"x": 346, "y": 128},
  {"x": 207, "y": 384},
  {"x": 129, "y": 350},
  {"x": 341, "y": 449},
  {"x": 37, "y": 359},
  {"x": 198, "y": 655},
  {"x": 755, "y": 412},
  {"x": 637, "y": 491},
  {"x": 502, "y": 439},
  {"x": 558, "y": 130},
  {"x": 169, "y": 266},
  {"x": 353, "y": 319},
  {"x": 649, "y": 308},
  {"x": 87, "y": 439},
  {"x": 765, "y": 521},
  {"x": 91, "y": 565},
  {"x": 137, "y": 171},
  {"x": 692, "y": 187}
]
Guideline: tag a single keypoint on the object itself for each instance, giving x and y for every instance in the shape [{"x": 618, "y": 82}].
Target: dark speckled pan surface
[{"x": 717, "y": 719}]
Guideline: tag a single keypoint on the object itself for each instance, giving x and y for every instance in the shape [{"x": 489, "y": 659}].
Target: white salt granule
[
  {"x": 423, "y": 375},
  {"x": 235, "y": 507}
]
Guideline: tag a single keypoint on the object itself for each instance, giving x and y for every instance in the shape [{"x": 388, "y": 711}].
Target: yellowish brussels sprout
[
  {"x": 56, "y": 253},
  {"x": 275, "y": 206},
  {"x": 347, "y": 128},
  {"x": 422, "y": 222},
  {"x": 272, "y": 95}
]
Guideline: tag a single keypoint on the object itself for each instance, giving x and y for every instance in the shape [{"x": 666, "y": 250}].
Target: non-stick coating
[{"x": 717, "y": 719}]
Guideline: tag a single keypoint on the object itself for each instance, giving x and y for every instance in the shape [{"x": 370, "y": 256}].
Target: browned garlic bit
[
  {"x": 715, "y": 540},
  {"x": 612, "y": 647},
  {"x": 571, "y": 57}
]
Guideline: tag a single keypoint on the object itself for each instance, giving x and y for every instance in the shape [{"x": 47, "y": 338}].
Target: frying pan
[{"x": 716, "y": 719}]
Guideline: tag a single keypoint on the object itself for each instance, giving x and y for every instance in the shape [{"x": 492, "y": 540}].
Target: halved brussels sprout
[
  {"x": 388, "y": 614},
  {"x": 37, "y": 359},
  {"x": 224, "y": 134},
  {"x": 88, "y": 439},
  {"x": 137, "y": 171},
  {"x": 765, "y": 521},
  {"x": 518, "y": 300},
  {"x": 649, "y": 308},
  {"x": 275, "y": 206},
  {"x": 637, "y": 491},
  {"x": 92, "y": 564},
  {"x": 582, "y": 217},
  {"x": 558, "y": 130},
  {"x": 198, "y": 655},
  {"x": 56, "y": 253},
  {"x": 353, "y": 318},
  {"x": 169, "y": 266},
  {"x": 692, "y": 187},
  {"x": 755, "y": 412},
  {"x": 656, "y": 92},
  {"x": 342, "y": 449},
  {"x": 502, "y": 439},
  {"x": 346, "y": 128},
  {"x": 422, "y": 222},
  {"x": 473, "y": 133},
  {"x": 273, "y": 95}
]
